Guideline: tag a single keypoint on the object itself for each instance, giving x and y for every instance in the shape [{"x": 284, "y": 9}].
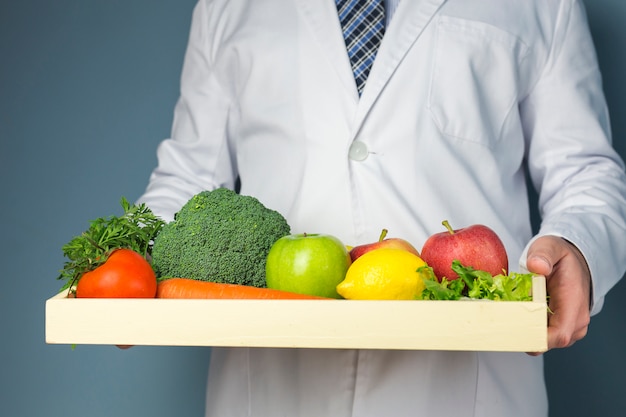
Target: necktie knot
[{"x": 363, "y": 25}]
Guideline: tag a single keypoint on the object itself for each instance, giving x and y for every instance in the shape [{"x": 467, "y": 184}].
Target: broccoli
[{"x": 219, "y": 236}]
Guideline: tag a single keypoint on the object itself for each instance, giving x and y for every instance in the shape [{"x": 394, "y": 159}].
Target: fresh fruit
[
  {"x": 187, "y": 288},
  {"x": 310, "y": 264},
  {"x": 383, "y": 274},
  {"x": 475, "y": 246},
  {"x": 383, "y": 242},
  {"x": 124, "y": 274}
]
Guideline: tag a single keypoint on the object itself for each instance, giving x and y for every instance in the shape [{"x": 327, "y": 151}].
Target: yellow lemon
[{"x": 383, "y": 274}]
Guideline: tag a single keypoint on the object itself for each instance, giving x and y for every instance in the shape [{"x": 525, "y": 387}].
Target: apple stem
[
  {"x": 383, "y": 233},
  {"x": 447, "y": 226}
]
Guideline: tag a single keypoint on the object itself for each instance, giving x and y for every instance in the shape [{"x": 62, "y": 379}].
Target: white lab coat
[{"x": 462, "y": 93}]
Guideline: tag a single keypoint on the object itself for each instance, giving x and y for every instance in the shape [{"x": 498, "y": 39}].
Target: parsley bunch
[{"x": 135, "y": 229}]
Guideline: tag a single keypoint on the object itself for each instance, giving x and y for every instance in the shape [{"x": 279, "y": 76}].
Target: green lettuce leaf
[{"x": 476, "y": 284}]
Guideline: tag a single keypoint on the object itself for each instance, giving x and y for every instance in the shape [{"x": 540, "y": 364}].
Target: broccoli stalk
[{"x": 219, "y": 236}]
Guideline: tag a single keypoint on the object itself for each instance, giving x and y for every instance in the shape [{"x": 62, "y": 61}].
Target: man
[{"x": 463, "y": 99}]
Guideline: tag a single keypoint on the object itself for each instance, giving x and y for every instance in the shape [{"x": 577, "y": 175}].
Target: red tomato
[{"x": 125, "y": 274}]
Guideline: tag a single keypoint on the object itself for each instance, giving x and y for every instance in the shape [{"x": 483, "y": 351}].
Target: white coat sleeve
[
  {"x": 198, "y": 156},
  {"x": 577, "y": 173}
]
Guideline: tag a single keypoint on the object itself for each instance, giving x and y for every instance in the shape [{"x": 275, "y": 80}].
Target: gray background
[{"x": 87, "y": 89}]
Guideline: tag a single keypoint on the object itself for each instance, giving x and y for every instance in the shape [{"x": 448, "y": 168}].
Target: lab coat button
[{"x": 358, "y": 151}]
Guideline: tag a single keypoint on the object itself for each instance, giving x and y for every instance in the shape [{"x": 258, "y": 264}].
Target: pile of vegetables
[{"x": 215, "y": 247}]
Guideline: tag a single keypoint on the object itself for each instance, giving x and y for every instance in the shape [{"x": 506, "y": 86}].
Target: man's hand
[{"x": 568, "y": 284}]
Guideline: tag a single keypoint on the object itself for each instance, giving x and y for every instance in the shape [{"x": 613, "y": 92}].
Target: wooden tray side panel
[{"x": 419, "y": 325}]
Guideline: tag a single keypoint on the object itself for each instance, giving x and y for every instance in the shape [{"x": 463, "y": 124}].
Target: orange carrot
[{"x": 194, "y": 289}]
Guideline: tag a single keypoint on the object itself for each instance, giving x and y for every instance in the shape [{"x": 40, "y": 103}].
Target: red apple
[
  {"x": 389, "y": 243},
  {"x": 476, "y": 246}
]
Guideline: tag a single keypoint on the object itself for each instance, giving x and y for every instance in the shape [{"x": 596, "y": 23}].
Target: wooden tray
[{"x": 424, "y": 325}]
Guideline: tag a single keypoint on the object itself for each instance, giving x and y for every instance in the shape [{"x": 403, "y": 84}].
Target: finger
[
  {"x": 568, "y": 324},
  {"x": 558, "y": 337},
  {"x": 568, "y": 303},
  {"x": 543, "y": 254},
  {"x": 539, "y": 264}
]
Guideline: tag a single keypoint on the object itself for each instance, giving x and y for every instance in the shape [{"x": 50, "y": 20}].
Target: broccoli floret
[{"x": 219, "y": 236}]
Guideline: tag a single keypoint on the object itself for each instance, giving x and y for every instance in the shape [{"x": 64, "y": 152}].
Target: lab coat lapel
[
  {"x": 322, "y": 18},
  {"x": 409, "y": 20}
]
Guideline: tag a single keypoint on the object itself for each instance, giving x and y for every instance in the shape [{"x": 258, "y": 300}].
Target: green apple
[{"x": 312, "y": 264}]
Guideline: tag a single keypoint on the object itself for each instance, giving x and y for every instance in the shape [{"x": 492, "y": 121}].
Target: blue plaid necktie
[{"x": 363, "y": 23}]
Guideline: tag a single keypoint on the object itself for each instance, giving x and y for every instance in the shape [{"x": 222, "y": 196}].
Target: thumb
[{"x": 540, "y": 255}]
